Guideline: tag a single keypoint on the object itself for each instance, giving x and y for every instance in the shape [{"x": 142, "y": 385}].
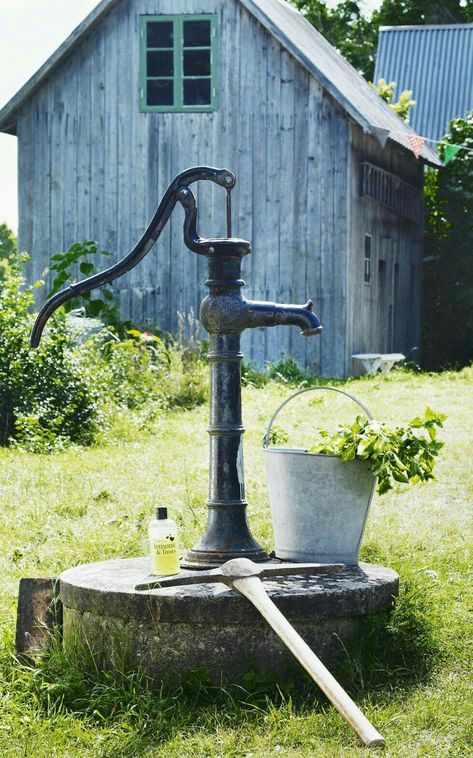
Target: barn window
[
  {"x": 178, "y": 66},
  {"x": 367, "y": 259}
]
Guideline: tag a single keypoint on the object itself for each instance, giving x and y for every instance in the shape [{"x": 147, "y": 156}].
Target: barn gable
[
  {"x": 293, "y": 121},
  {"x": 297, "y": 36}
]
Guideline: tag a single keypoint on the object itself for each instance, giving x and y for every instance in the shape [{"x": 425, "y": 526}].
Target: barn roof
[
  {"x": 299, "y": 37},
  {"x": 436, "y": 63}
]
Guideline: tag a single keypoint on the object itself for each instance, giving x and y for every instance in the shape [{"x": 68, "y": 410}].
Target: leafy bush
[
  {"x": 8, "y": 248},
  {"x": 128, "y": 369},
  {"x": 57, "y": 394},
  {"x": 46, "y": 395},
  {"x": 251, "y": 377},
  {"x": 403, "y": 454},
  {"x": 143, "y": 370},
  {"x": 288, "y": 371},
  {"x": 447, "y": 299},
  {"x": 100, "y": 303},
  {"x": 386, "y": 91}
]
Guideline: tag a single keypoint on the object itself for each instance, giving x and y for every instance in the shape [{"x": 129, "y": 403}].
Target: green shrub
[
  {"x": 97, "y": 304},
  {"x": 133, "y": 368},
  {"x": 447, "y": 297},
  {"x": 288, "y": 371},
  {"x": 251, "y": 377},
  {"x": 57, "y": 394},
  {"x": 8, "y": 249},
  {"x": 143, "y": 370},
  {"x": 128, "y": 370},
  {"x": 47, "y": 398}
]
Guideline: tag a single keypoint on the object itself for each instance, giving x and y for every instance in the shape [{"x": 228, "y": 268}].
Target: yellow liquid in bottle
[{"x": 164, "y": 556}]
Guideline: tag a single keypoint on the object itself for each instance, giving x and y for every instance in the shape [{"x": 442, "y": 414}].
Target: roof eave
[
  {"x": 308, "y": 64},
  {"x": 252, "y": 7},
  {"x": 8, "y": 127},
  {"x": 8, "y": 114},
  {"x": 434, "y": 161}
]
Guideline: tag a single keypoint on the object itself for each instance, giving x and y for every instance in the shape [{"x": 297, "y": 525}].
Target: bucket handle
[{"x": 310, "y": 389}]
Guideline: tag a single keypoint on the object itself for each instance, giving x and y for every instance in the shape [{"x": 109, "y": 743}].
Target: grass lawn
[{"x": 411, "y": 675}]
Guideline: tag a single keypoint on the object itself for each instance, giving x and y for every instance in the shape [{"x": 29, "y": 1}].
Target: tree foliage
[
  {"x": 8, "y": 249},
  {"x": 387, "y": 91},
  {"x": 355, "y": 34},
  {"x": 47, "y": 399},
  {"x": 448, "y": 271},
  {"x": 347, "y": 28}
]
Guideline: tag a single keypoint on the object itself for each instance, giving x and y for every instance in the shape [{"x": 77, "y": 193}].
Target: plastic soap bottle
[{"x": 162, "y": 532}]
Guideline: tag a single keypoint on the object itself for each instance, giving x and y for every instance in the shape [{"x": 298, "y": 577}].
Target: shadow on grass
[{"x": 393, "y": 651}]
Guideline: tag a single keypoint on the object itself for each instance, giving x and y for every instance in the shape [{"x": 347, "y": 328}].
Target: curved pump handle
[{"x": 220, "y": 176}]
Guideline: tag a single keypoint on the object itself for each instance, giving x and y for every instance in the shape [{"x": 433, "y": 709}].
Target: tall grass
[{"x": 410, "y": 671}]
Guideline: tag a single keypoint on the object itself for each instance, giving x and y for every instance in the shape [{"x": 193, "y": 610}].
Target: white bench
[{"x": 374, "y": 362}]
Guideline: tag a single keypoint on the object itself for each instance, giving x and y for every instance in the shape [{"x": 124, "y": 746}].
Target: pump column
[{"x": 227, "y": 535}]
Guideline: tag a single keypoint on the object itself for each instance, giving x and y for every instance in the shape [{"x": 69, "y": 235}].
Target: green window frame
[{"x": 178, "y": 63}]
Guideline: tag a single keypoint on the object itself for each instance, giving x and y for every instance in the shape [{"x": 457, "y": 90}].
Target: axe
[{"x": 244, "y": 576}]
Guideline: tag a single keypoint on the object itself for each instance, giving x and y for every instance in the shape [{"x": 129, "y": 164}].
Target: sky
[{"x": 30, "y": 31}]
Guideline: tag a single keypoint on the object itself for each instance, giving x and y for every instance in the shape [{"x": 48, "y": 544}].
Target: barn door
[{"x": 388, "y": 276}]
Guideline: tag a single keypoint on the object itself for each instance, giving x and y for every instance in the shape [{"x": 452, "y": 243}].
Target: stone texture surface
[
  {"x": 172, "y": 631},
  {"x": 39, "y": 610}
]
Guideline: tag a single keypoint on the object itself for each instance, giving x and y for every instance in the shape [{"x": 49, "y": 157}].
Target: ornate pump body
[{"x": 225, "y": 314}]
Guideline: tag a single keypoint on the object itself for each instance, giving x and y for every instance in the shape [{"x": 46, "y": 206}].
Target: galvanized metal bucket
[{"x": 319, "y": 504}]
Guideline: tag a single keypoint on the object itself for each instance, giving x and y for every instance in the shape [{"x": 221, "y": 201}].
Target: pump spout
[
  {"x": 273, "y": 314},
  {"x": 231, "y": 312}
]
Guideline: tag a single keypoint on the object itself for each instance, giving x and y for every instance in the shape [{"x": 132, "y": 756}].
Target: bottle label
[{"x": 164, "y": 556}]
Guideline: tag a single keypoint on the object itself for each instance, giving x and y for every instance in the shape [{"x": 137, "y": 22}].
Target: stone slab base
[{"x": 170, "y": 632}]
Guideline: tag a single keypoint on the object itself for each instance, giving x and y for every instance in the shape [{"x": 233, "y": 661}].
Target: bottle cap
[{"x": 161, "y": 512}]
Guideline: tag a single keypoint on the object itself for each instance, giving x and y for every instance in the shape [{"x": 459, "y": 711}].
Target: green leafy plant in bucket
[{"x": 402, "y": 453}]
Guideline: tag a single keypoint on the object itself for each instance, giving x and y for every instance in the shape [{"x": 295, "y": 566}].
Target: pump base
[
  {"x": 171, "y": 632},
  {"x": 227, "y": 536},
  {"x": 202, "y": 560}
]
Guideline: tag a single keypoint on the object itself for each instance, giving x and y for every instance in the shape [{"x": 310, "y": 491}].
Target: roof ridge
[{"x": 425, "y": 27}]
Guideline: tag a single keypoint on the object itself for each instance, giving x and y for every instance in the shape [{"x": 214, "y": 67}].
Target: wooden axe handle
[{"x": 252, "y": 588}]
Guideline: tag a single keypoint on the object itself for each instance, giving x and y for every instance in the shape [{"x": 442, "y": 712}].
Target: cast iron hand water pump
[{"x": 224, "y": 313}]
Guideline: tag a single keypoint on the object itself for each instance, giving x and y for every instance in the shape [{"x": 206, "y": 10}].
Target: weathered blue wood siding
[{"x": 93, "y": 167}]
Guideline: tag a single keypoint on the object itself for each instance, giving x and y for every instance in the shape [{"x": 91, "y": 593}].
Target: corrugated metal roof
[
  {"x": 436, "y": 63},
  {"x": 300, "y": 38}
]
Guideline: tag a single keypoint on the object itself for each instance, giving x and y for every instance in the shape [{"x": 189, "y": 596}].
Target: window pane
[
  {"x": 160, "y": 63},
  {"x": 196, "y": 62},
  {"x": 160, "y": 92},
  {"x": 160, "y": 34},
  {"x": 196, "y": 33},
  {"x": 197, "y": 92}
]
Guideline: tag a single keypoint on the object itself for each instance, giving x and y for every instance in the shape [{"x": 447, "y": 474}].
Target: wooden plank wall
[
  {"x": 94, "y": 167},
  {"x": 383, "y": 316}
]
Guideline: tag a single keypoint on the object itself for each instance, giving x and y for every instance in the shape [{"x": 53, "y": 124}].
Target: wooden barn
[{"x": 329, "y": 190}]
